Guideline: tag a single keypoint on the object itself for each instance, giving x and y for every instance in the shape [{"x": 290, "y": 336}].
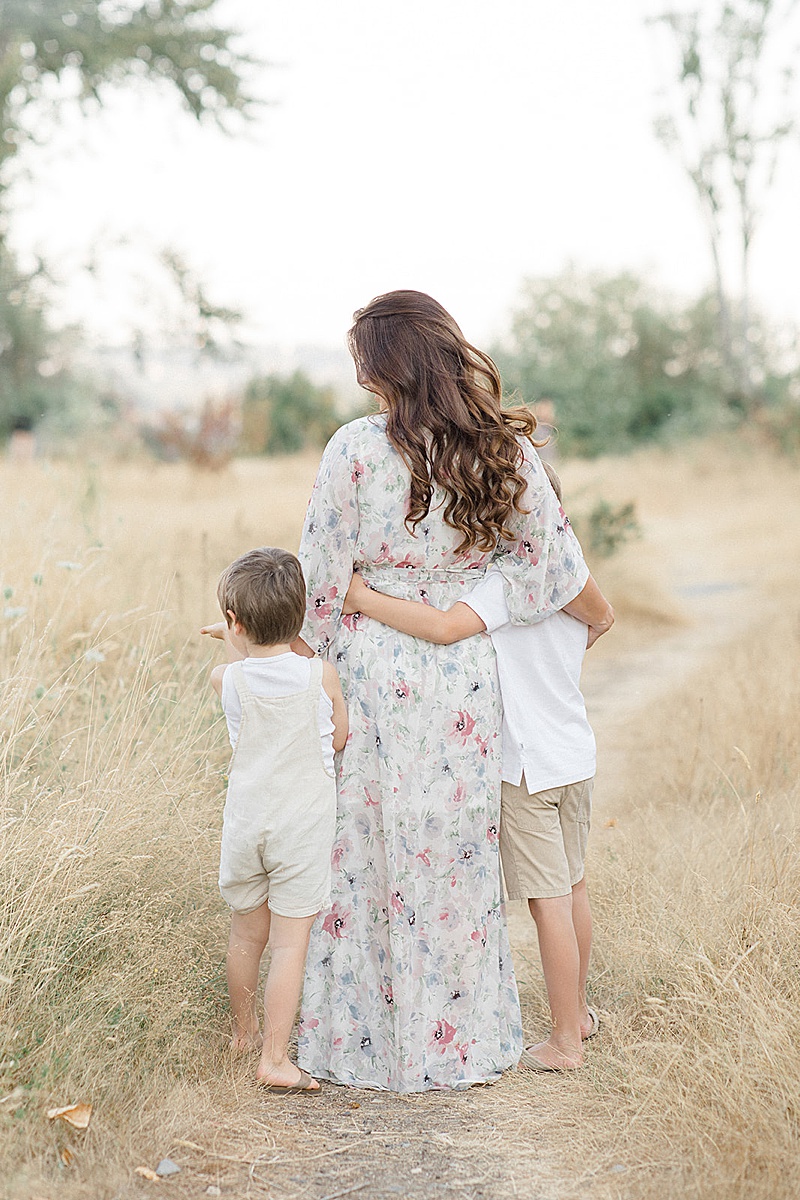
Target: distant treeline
[{"x": 616, "y": 361}]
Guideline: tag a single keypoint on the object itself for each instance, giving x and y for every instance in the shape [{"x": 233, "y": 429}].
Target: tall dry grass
[
  {"x": 111, "y": 928},
  {"x": 696, "y": 892}
]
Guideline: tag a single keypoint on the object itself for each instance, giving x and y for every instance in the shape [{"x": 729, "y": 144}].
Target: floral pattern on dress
[{"x": 409, "y": 980}]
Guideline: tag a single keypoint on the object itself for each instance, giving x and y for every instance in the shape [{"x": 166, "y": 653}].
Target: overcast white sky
[{"x": 449, "y": 145}]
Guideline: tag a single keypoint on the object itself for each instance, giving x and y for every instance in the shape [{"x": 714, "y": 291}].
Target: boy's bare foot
[
  {"x": 544, "y": 1056},
  {"x": 285, "y": 1075},
  {"x": 246, "y": 1043}
]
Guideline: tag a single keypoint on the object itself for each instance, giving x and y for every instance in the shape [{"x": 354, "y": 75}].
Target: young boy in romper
[
  {"x": 548, "y": 767},
  {"x": 286, "y": 715}
]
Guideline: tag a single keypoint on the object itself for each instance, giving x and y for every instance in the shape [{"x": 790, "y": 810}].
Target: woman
[{"x": 409, "y": 980}]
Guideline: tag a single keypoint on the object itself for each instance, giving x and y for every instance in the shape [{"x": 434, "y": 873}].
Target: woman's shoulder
[{"x": 362, "y": 435}]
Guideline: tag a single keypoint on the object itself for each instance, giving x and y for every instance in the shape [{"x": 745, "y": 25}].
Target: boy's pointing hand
[{"x": 217, "y": 630}]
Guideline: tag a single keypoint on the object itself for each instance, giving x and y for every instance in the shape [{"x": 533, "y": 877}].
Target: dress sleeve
[
  {"x": 328, "y": 542},
  {"x": 542, "y": 566}
]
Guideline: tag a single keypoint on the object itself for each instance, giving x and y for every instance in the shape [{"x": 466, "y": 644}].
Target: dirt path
[{"x": 510, "y": 1140}]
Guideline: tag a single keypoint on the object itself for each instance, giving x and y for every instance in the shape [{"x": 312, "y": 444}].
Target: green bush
[
  {"x": 605, "y": 528},
  {"x": 281, "y": 415},
  {"x": 620, "y": 364}
]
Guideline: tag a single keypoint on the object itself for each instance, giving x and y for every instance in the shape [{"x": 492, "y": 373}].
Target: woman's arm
[
  {"x": 542, "y": 563},
  {"x": 591, "y": 607},
  {"x": 328, "y": 542},
  {"x": 412, "y": 616}
]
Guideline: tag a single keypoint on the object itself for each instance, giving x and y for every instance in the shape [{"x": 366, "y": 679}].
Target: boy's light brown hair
[
  {"x": 266, "y": 592},
  {"x": 555, "y": 482}
]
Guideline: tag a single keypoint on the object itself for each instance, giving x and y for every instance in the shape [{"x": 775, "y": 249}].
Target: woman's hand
[
  {"x": 357, "y": 596},
  {"x": 597, "y": 631},
  {"x": 217, "y": 630}
]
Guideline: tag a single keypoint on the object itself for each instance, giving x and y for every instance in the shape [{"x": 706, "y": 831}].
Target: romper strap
[
  {"x": 315, "y": 682},
  {"x": 239, "y": 682}
]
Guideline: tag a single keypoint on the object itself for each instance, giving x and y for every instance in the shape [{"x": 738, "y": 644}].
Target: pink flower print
[
  {"x": 402, "y": 690},
  {"x": 387, "y": 994},
  {"x": 369, "y": 801},
  {"x": 350, "y": 621},
  {"x": 339, "y": 851},
  {"x": 531, "y": 551},
  {"x": 482, "y": 745},
  {"x": 384, "y": 555},
  {"x": 491, "y": 834},
  {"x": 336, "y": 921},
  {"x": 463, "y": 727},
  {"x": 397, "y": 902},
  {"x": 425, "y": 856},
  {"x": 463, "y": 1052},
  {"x": 310, "y": 1023},
  {"x": 322, "y": 603},
  {"x": 457, "y": 798},
  {"x": 359, "y": 472},
  {"x": 408, "y": 561},
  {"x": 442, "y": 1036}
]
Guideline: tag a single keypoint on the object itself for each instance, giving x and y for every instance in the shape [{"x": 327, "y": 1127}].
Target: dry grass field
[{"x": 112, "y": 975}]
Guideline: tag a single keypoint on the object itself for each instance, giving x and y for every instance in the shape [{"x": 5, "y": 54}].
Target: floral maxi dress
[{"x": 409, "y": 980}]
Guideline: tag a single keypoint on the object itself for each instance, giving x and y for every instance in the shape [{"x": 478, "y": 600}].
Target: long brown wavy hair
[{"x": 444, "y": 415}]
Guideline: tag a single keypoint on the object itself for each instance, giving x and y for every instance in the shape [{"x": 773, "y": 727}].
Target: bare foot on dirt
[{"x": 284, "y": 1074}]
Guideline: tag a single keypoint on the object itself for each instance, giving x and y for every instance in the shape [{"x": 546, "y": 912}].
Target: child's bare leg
[
  {"x": 288, "y": 945},
  {"x": 582, "y": 924},
  {"x": 558, "y": 948},
  {"x": 248, "y": 939}
]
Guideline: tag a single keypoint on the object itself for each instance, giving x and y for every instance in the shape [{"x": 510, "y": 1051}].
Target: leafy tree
[
  {"x": 281, "y": 415},
  {"x": 56, "y": 50},
  {"x": 60, "y": 48},
  {"x": 34, "y": 378},
  {"x": 732, "y": 112},
  {"x": 620, "y": 365}
]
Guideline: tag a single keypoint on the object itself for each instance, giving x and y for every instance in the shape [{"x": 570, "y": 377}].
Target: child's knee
[
  {"x": 549, "y": 906},
  {"x": 290, "y": 932}
]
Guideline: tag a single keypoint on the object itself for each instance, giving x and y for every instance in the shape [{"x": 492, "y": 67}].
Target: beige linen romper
[{"x": 280, "y": 811}]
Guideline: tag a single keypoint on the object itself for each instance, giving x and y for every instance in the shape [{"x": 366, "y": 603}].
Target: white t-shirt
[
  {"x": 280, "y": 675},
  {"x": 546, "y": 733}
]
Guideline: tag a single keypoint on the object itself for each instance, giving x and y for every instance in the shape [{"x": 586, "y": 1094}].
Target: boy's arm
[
  {"x": 331, "y": 684},
  {"x": 221, "y": 631},
  {"x": 412, "y": 616}
]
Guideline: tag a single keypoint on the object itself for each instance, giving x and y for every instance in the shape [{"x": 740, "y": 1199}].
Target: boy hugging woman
[{"x": 286, "y": 716}]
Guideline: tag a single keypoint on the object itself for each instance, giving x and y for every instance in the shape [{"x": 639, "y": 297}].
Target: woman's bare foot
[{"x": 284, "y": 1074}]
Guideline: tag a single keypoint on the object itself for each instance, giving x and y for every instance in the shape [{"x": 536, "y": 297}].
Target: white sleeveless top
[{"x": 281, "y": 675}]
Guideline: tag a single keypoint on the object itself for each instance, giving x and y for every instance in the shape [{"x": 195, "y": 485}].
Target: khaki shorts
[{"x": 543, "y": 839}]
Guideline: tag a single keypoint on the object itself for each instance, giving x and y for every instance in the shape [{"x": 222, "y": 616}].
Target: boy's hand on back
[{"x": 357, "y": 595}]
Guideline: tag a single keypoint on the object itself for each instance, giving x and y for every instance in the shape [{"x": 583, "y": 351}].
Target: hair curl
[{"x": 444, "y": 415}]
